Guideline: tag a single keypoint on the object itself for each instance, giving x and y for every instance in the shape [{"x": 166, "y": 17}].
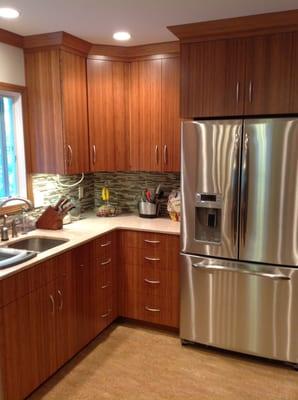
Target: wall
[
  {"x": 125, "y": 188},
  {"x": 12, "y": 69}
]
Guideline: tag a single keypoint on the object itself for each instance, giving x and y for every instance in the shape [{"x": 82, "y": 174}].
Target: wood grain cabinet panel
[
  {"x": 268, "y": 74},
  {"x": 108, "y": 114},
  {"x": 145, "y": 134},
  {"x": 57, "y": 110},
  {"x": 212, "y": 78},
  {"x": 155, "y": 123},
  {"x": 294, "y": 76}
]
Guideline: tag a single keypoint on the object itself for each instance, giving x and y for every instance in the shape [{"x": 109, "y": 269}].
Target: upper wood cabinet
[
  {"x": 294, "y": 76},
  {"x": 155, "y": 124},
  {"x": 235, "y": 77},
  {"x": 212, "y": 78},
  {"x": 268, "y": 74},
  {"x": 57, "y": 110},
  {"x": 108, "y": 108}
]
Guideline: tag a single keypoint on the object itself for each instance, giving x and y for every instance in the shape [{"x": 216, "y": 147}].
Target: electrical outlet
[
  {"x": 81, "y": 192},
  {"x": 38, "y": 198}
]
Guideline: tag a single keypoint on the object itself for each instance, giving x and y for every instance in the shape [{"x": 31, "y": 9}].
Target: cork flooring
[{"x": 129, "y": 362}]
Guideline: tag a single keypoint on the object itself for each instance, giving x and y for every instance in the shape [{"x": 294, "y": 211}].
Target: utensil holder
[
  {"x": 148, "y": 210},
  {"x": 50, "y": 219}
]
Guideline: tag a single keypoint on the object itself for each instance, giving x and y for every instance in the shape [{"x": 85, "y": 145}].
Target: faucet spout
[{"x": 22, "y": 199}]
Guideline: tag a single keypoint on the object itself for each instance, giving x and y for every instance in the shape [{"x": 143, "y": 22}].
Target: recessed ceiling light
[
  {"x": 9, "y": 13},
  {"x": 122, "y": 36}
]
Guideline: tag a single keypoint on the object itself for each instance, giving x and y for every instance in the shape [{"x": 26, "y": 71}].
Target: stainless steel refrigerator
[{"x": 239, "y": 275}]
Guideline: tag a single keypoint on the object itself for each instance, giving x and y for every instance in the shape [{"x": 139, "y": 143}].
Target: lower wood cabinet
[
  {"x": 51, "y": 311},
  {"x": 149, "y": 278}
]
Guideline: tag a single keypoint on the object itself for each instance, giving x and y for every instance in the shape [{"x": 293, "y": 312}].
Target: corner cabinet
[
  {"x": 239, "y": 76},
  {"x": 108, "y": 110},
  {"x": 57, "y": 109},
  {"x": 155, "y": 123}
]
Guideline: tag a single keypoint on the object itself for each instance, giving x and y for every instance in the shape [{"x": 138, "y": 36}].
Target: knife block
[{"x": 50, "y": 219}]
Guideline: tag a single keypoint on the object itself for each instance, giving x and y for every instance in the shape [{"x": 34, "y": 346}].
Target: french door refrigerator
[{"x": 239, "y": 280}]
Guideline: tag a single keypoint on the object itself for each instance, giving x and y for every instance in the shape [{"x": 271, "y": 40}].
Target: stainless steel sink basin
[
  {"x": 37, "y": 243},
  {"x": 11, "y": 257}
]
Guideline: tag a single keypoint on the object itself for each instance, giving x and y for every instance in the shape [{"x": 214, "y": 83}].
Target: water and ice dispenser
[{"x": 208, "y": 217}]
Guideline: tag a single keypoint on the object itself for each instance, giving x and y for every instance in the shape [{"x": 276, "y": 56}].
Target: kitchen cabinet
[
  {"x": 36, "y": 329},
  {"x": 239, "y": 76},
  {"x": 149, "y": 278},
  {"x": 212, "y": 76},
  {"x": 104, "y": 282},
  {"x": 268, "y": 74},
  {"x": 108, "y": 114},
  {"x": 57, "y": 111},
  {"x": 155, "y": 124}
]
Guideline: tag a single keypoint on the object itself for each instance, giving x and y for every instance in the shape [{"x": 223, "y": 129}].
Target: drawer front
[
  {"x": 143, "y": 240},
  {"x": 104, "y": 246},
  {"x": 135, "y": 256}
]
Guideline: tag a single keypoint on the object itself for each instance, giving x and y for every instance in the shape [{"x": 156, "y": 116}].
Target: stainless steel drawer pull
[
  {"x": 53, "y": 304},
  {"x": 94, "y": 153},
  {"x": 108, "y": 284},
  {"x": 151, "y": 241},
  {"x": 61, "y": 300},
  {"x": 152, "y": 309},
  {"x": 70, "y": 155},
  {"x": 108, "y": 261},
  {"x": 106, "y": 244},
  {"x": 214, "y": 268},
  {"x": 151, "y": 282},
  {"x": 152, "y": 259},
  {"x": 106, "y": 314}
]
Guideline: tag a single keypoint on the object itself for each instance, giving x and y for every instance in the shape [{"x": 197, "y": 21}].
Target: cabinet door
[
  {"x": 27, "y": 343},
  {"x": 294, "y": 79},
  {"x": 82, "y": 285},
  {"x": 170, "y": 120},
  {"x": 145, "y": 134},
  {"x": 65, "y": 310},
  {"x": 268, "y": 74},
  {"x": 212, "y": 78},
  {"x": 74, "y": 112},
  {"x": 108, "y": 114}
]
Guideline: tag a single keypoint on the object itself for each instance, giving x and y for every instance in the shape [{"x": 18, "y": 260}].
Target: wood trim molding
[
  {"x": 56, "y": 39},
  {"x": 13, "y": 39},
  {"x": 253, "y": 25},
  {"x": 132, "y": 53}
]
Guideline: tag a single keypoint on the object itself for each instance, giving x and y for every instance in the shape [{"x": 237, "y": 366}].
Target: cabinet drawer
[
  {"x": 144, "y": 257},
  {"x": 103, "y": 246},
  {"x": 143, "y": 240}
]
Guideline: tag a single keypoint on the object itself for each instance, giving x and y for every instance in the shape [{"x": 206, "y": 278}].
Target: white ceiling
[{"x": 146, "y": 20}]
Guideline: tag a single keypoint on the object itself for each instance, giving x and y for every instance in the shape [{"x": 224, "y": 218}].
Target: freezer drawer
[{"x": 249, "y": 308}]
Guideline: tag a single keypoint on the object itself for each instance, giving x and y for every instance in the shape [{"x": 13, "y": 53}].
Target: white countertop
[{"x": 86, "y": 229}]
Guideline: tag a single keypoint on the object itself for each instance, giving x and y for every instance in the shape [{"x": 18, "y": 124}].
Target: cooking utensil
[{"x": 57, "y": 205}]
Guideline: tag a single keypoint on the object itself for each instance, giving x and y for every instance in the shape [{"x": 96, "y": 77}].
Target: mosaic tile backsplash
[{"x": 125, "y": 188}]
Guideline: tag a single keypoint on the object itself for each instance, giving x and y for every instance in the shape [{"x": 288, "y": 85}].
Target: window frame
[{"x": 8, "y": 87}]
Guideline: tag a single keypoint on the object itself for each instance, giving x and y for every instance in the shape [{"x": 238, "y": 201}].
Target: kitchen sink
[
  {"x": 11, "y": 257},
  {"x": 37, "y": 243}
]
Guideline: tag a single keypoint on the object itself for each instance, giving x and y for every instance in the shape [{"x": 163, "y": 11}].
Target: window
[{"x": 12, "y": 153}]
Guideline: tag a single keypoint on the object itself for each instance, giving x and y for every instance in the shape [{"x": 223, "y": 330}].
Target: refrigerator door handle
[
  {"x": 235, "y": 185},
  {"x": 215, "y": 268},
  {"x": 244, "y": 189}
]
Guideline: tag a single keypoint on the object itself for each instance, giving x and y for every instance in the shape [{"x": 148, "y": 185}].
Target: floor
[{"x": 129, "y": 362}]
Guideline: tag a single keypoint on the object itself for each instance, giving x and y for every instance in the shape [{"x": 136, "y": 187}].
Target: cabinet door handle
[
  {"x": 107, "y": 285},
  {"x": 70, "y": 155},
  {"x": 53, "y": 304},
  {"x": 94, "y": 154},
  {"x": 151, "y": 241},
  {"x": 237, "y": 91},
  {"x": 151, "y": 282},
  {"x": 106, "y": 314},
  {"x": 250, "y": 91},
  {"x": 106, "y": 244},
  {"x": 152, "y": 309},
  {"x": 82, "y": 266},
  {"x": 156, "y": 154},
  {"x": 106, "y": 262},
  {"x": 61, "y": 300},
  {"x": 152, "y": 258},
  {"x": 165, "y": 154}
]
